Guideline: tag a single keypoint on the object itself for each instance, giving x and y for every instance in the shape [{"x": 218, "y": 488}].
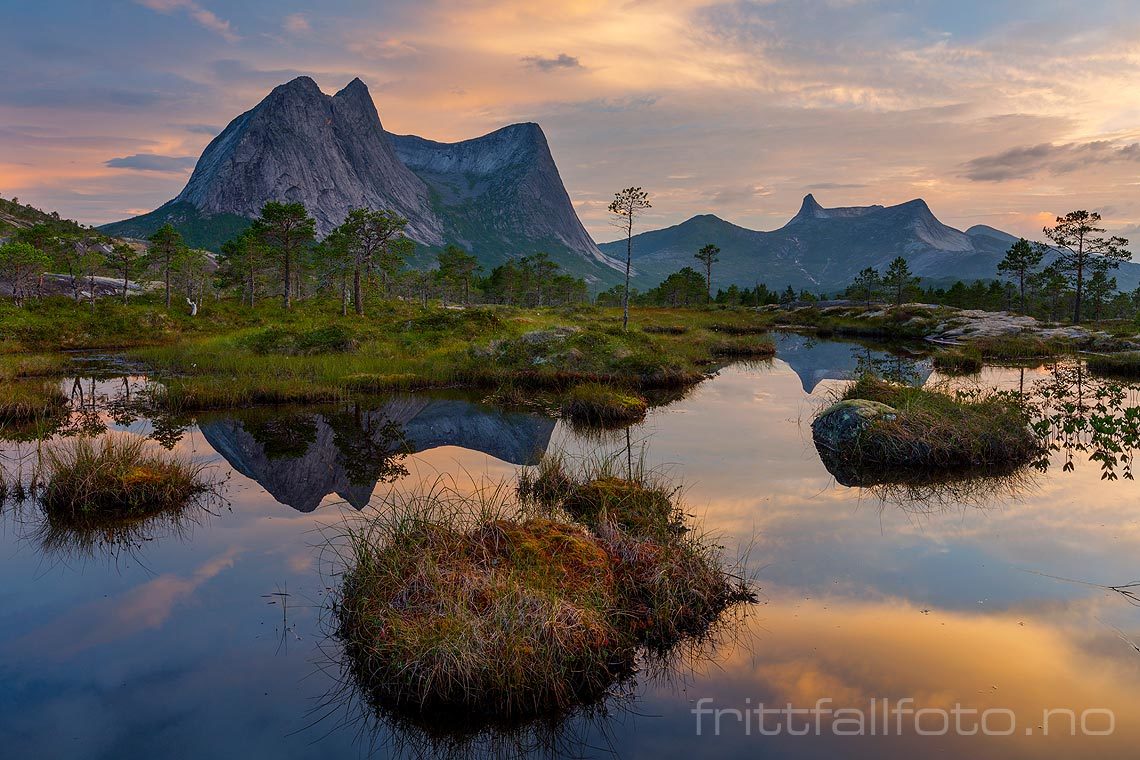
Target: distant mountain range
[
  {"x": 822, "y": 249},
  {"x": 499, "y": 195}
]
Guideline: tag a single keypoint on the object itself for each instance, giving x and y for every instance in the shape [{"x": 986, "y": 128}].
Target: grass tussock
[
  {"x": 24, "y": 401},
  {"x": 118, "y": 476},
  {"x": 958, "y": 361},
  {"x": 602, "y": 405},
  {"x": 922, "y": 429},
  {"x": 504, "y": 609},
  {"x": 1125, "y": 364}
]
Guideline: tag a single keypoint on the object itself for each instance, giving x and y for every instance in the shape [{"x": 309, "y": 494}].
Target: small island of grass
[
  {"x": 520, "y": 611},
  {"x": 879, "y": 429},
  {"x": 116, "y": 477},
  {"x": 604, "y": 406},
  {"x": 1123, "y": 365}
]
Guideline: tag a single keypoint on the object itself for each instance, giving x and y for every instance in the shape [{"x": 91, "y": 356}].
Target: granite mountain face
[
  {"x": 823, "y": 249},
  {"x": 499, "y": 195}
]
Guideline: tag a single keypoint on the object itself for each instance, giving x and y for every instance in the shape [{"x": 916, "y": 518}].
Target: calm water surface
[{"x": 208, "y": 640}]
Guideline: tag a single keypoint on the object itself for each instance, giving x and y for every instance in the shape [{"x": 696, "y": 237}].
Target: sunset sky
[{"x": 1002, "y": 113}]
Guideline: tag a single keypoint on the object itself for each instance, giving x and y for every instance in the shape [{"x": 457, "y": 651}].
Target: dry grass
[
  {"x": 24, "y": 401},
  {"x": 504, "y": 610}
]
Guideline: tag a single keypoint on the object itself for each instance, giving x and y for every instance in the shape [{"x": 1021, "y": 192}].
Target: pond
[{"x": 890, "y": 621}]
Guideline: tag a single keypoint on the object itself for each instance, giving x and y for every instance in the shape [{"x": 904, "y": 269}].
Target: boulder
[{"x": 841, "y": 424}]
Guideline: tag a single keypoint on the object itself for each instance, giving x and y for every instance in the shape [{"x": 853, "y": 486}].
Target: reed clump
[
  {"x": 744, "y": 347},
  {"x": 23, "y": 401},
  {"x": 1018, "y": 347},
  {"x": 1125, "y": 364}
]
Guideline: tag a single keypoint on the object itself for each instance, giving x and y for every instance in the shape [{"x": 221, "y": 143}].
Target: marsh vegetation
[{"x": 510, "y": 603}]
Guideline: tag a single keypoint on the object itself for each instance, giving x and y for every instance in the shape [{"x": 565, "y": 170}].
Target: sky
[{"x": 999, "y": 112}]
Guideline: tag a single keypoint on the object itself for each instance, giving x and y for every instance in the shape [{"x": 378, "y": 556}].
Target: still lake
[{"x": 209, "y": 639}]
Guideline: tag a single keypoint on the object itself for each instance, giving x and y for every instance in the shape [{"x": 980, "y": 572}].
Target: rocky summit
[{"x": 499, "y": 195}]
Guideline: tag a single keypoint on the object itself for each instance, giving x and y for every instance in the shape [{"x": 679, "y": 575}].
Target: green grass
[
  {"x": 602, "y": 406},
  {"x": 479, "y": 604},
  {"x": 118, "y": 476},
  {"x": 958, "y": 361},
  {"x": 1125, "y": 364},
  {"x": 1018, "y": 347},
  {"x": 314, "y": 354},
  {"x": 744, "y": 347},
  {"x": 929, "y": 430},
  {"x": 26, "y": 401}
]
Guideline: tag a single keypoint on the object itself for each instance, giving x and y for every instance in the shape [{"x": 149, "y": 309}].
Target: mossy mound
[
  {"x": 632, "y": 506},
  {"x": 883, "y": 427},
  {"x": 511, "y": 618},
  {"x": 507, "y": 620}
]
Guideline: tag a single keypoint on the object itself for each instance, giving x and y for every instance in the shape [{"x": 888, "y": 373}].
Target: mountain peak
[
  {"x": 917, "y": 204},
  {"x": 301, "y": 85},
  {"x": 810, "y": 205},
  {"x": 354, "y": 88},
  {"x": 499, "y": 195}
]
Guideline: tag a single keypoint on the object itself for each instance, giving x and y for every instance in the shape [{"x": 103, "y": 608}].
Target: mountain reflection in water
[{"x": 305, "y": 456}]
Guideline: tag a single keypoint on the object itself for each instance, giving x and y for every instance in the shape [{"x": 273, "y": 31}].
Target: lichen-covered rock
[{"x": 841, "y": 424}]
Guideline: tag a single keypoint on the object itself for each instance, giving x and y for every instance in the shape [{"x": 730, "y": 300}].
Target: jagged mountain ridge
[
  {"x": 499, "y": 195},
  {"x": 824, "y": 248}
]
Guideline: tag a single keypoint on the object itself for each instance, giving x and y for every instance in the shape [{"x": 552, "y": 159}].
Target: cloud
[
  {"x": 297, "y": 23},
  {"x": 1029, "y": 161},
  {"x": 201, "y": 129},
  {"x": 737, "y": 195},
  {"x": 560, "y": 61},
  {"x": 205, "y": 18},
  {"x": 835, "y": 186},
  {"x": 152, "y": 162}
]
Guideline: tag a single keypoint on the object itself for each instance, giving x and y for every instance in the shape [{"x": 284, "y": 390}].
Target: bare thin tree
[{"x": 626, "y": 208}]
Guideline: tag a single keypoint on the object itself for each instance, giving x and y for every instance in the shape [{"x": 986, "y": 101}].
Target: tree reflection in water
[{"x": 1076, "y": 413}]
